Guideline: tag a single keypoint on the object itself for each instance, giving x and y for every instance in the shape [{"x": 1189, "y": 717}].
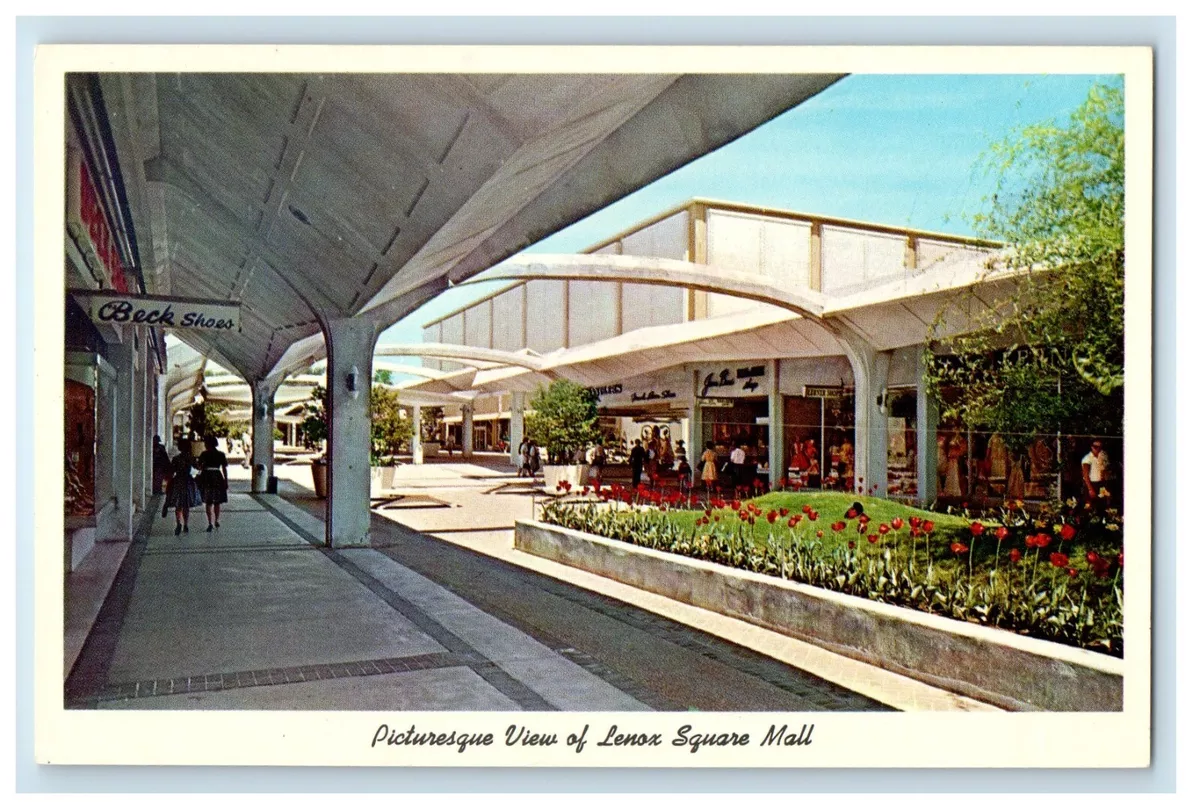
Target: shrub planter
[
  {"x": 430, "y": 449},
  {"x": 383, "y": 477},
  {"x": 984, "y": 663},
  {"x": 575, "y": 474}
]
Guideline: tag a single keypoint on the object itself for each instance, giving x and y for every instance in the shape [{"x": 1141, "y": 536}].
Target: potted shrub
[
  {"x": 391, "y": 430},
  {"x": 431, "y": 431},
  {"x": 562, "y": 422},
  {"x": 315, "y": 430}
]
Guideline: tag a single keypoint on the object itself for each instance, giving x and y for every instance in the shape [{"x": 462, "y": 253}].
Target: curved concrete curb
[{"x": 991, "y": 665}]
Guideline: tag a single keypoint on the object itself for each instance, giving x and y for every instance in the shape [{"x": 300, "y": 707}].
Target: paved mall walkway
[{"x": 440, "y": 614}]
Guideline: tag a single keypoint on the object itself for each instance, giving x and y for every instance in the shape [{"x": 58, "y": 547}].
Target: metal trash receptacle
[{"x": 272, "y": 485}]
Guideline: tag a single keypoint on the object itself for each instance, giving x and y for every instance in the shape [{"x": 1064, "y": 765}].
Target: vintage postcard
[{"x": 593, "y": 406}]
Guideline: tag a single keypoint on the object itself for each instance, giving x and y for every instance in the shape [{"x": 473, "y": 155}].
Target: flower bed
[{"x": 1052, "y": 574}]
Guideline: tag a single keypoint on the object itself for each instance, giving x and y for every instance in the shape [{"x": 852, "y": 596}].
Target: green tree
[
  {"x": 391, "y": 429},
  {"x": 315, "y": 426},
  {"x": 562, "y": 420},
  {"x": 1051, "y": 355}
]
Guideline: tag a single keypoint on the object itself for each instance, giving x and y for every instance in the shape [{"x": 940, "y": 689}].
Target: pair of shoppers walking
[{"x": 211, "y": 488}]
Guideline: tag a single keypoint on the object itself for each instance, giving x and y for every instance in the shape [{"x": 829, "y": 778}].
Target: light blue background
[{"x": 1159, "y": 32}]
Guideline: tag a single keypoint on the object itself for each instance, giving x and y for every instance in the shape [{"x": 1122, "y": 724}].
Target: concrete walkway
[{"x": 441, "y": 614}]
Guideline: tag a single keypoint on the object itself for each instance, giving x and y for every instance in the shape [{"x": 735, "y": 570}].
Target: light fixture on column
[
  {"x": 352, "y": 382},
  {"x": 262, "y": 411}
]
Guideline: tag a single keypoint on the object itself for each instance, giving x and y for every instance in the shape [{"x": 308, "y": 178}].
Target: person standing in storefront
[
  {"x": 161, "y": 464},
  {"x": 1095, "y": 473},
  {"x": 737, "y": 466},
  {"x": 596, "y": 463},
  {"x": 708, "y": 466},
  {"x": 182, "y": 492},
  {"x": 637, "y": 459},
  {"x": 214, "y": 481}
]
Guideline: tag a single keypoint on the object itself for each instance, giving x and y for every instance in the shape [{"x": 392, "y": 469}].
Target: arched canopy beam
[
  {"x": 449, "y": 351},
  {"x": 656, "y": 272}
]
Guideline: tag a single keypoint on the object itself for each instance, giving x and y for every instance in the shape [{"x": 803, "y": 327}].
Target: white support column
[
  {"x": 927, "y": 424},
  {"x": 262, "y": 433},
  {"x": 468, "y": 431},
  {"x": 350, "y": 349},
  {"x": 418, "y": 446},
  {"x": 516, "y": 427},
  {"x": 121, "y": 525},
  {"x": 775, "y": 441},
  {"x": 141, "y": 422},
  {"x": 870, "y": 405}
]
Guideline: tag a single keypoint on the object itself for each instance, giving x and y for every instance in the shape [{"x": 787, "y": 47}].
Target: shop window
[{"x": 902, "y": 443}]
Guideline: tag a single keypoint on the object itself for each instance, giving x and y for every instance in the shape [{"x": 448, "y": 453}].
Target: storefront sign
[
  {"x": 824, "y": 391},
  {"x": 734, "y": 381},
  {"x": 165, "y": 313},
  {"x": 89, "y": 226},
  {"x": 714, "y": 403},
  {"x": 672, "y": 387}
]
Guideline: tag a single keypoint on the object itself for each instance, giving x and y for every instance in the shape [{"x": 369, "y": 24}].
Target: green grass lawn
[{"x": 832, "y": 506}]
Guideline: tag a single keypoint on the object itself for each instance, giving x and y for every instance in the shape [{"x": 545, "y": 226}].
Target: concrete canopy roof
[{"x": 311, "y": 197}]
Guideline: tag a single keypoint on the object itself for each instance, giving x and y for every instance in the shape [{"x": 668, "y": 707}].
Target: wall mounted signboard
[{"x": 165, "y": 313}]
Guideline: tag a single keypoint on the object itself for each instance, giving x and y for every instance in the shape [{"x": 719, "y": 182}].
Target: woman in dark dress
[
  {"x": 214, "y": 481},
  {"x": 182, "y": 491}
]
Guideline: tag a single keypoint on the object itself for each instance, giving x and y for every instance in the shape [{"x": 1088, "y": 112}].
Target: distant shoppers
[
  {"x": 523, "y": 456},
  {"x": 737, "y": 467},
  {"x": 535, "y": 459},
  {"x": 685, "y": 473},
  {"x": 708, "y": 466},
  {"x": 161, "y": 465},
  {"x": 637, "y": 460},
  {"x": 182, "y": 492},
  {"x": 1095, "y": 473},
  {"x": 596, "y": 461},
  {"x": 214, "y": 481}
]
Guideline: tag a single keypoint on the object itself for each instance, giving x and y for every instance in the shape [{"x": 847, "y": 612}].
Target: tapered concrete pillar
[
  {"x": 121, "y": 358},
  {"x": 418, "y": 446},
  {"x": 516, "y": 427},
  {"x": 927, "y": 424},
  {"x": 468, "y": 430},
  {"x": 870, "y": 369},
  {"x": 695, "y": 440},
  {"x": 262, "y": 433},
  {"x": 775, "y": 442},
  {"x": 351, "y": 343}
]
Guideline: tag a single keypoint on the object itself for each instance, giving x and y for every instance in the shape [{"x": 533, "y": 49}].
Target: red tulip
[
  {"x": 1059, "y": 559},
  {"x": 783, "y": 512},
  {"x": 1015, "y": 555},
  {"x": 1041, "y": 540},
  {"x": 1002, "y": 533},
  {"x": 772, "y": 516},
  {"x": 873, "y": 538},
  {"x": 928, "y": 526},
  {"x": 884, "y": 528},
  {"x": 863, "y": 528},
  {"x": 1068, "y": 532},
  {"x": 812, "y": 515},
  {"x": 699, "y": 521},
  {"x": 851, "y": 514},
  {"x": 1072, "y": 572},
  {"x": 820, "y": 534},
  {"x": 838, "y": 526},
  {"x": 958, "y": 547},
  {"x": 850, "y": 544},
  {"x": 1092, "y": 557},
  {"x": 898, "y": 523},
  {"x": 737, "y": 505}
]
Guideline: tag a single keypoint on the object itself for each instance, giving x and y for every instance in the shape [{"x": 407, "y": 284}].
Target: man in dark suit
[{"x": 637, "y": 460}]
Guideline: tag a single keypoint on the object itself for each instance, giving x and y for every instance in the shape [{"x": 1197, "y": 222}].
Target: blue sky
[{"x": 891, "y": 149}]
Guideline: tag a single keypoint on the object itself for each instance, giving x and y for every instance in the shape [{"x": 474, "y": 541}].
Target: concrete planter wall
[
  {"x": 575, "y": 474},
  {"x": 991, "y": 665}
]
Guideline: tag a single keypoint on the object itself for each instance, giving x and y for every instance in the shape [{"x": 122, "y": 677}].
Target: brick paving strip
[{"x": 225, "y": 681}]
